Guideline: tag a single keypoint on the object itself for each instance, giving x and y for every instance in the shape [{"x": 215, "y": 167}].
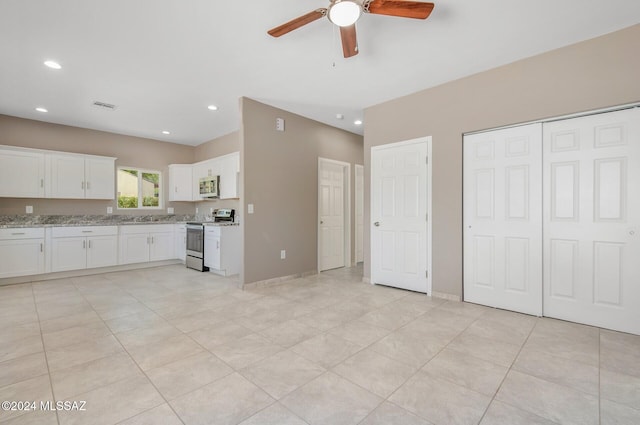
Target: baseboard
[
  {"x": 278, "y": 280},
  {"x": 445, "y": 296},
  {"x": 84, "y": 272}
]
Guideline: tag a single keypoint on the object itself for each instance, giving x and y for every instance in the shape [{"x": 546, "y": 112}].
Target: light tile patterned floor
[{"x": 169, "y": 346}]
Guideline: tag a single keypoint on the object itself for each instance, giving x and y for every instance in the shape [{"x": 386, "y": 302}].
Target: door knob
[{"x": 377, "y": 224}]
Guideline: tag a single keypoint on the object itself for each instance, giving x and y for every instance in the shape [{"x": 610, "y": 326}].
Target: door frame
[
  {"x": 358, "y": 220},
  {"x": 428, "y": 140},
  {"x": 346, "y": 175}
]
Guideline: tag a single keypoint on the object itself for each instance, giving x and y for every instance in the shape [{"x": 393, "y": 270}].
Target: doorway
[{"x": 334, "y": 214}]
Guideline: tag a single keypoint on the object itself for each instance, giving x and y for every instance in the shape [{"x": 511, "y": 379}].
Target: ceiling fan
[{"x": 345, "y": 13}]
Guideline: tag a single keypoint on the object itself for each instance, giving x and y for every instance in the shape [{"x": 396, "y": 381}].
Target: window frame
[{"x": 140, "y": 197}]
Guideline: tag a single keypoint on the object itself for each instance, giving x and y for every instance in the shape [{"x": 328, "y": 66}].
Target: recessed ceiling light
[
  {"x": 340, "y": 116},
  {"x": 357, "y": 122},
  {"x": 53, "y": 64},
  {"x": 41, "y": 110},
  {"x": 166, "y": 132},
  {"x": 212, "y": 107}
]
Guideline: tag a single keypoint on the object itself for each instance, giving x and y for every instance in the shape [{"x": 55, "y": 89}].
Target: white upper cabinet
[
  {"x": 181, "y": 182},
  {"x": 21, "y": 173},
  {"x": 75, "y": 176},
  {"x": 226, "y": 166},
  {"x": 66, "y": 174},
  {"x": 100, "y": 177},
  {"x": 34, "y": 173},
  {"x": 230, "y": 165}
]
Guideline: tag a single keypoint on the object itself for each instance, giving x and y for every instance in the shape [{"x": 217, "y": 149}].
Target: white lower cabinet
[
  {"x": 75, "y": 248},
  {"x": 147, "y": 242},
  {"x": 222, "y": 249},
  {"x": 181, "y": 242},
  {"x": 21, "y": 252}
]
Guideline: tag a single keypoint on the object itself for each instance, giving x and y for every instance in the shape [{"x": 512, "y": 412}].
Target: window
[{"x": 139, "y": 188}]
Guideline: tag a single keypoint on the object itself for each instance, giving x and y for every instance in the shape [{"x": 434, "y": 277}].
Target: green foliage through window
[{"x": 138, "y": 188}]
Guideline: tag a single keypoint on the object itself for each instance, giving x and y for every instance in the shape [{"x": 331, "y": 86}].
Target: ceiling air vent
[{"x": 105, "y": 106}]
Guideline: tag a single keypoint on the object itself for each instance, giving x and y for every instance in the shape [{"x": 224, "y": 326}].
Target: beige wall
[
  {"x": 130, "y": 151},
  {"x": 593, "y": 74},
  {"x": 280, "y": 177}
]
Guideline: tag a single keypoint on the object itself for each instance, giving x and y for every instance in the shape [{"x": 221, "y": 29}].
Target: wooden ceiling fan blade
[
  {"x": 349, "y": 41},
  {"x": 404, "y": 9},
  {"x": 298, "y": 22}
]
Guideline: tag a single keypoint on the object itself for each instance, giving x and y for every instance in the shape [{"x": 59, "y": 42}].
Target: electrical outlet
[
  {"x": 250, "y": 208},
  {"x": 283, "y": 254},
  {"x": 29, "y": 209},
  {"x": 169, "y": 210},
  {"x": 196, "y": 210},
  {"x": 280, "y": 124},
  {"x": 109, "y": 210}
]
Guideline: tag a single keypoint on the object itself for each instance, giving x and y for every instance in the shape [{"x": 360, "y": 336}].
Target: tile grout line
[
  {"x": 132, "y": 359},
  {"x": 44, "y": 350},
  {"x": 599, "y": 378},
  {"x": 506, "y": 374},
  {"x": 425, "y": 363}
]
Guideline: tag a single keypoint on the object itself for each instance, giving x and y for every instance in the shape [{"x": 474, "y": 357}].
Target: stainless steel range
[
  {"x": 195, "y": 247},
  {"x": 195, "y": 238}
]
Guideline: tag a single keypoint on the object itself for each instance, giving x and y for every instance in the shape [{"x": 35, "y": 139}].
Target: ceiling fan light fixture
[{"x": 344, "y": 13}]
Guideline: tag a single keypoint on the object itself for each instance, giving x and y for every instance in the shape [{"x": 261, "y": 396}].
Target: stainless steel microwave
[{"x": 209, "y": 186}]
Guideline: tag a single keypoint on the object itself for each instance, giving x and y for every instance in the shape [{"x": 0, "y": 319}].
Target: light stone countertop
[{"x": 22, "y": 221}]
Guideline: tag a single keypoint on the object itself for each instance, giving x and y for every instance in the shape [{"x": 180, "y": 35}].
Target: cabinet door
[
  {"x": 21, "y": 174},
  {"x": 67, "y": 176},
  {"x": 21, "y": 257},
  {"x": 181, "y": 243},
  {"x": 180, "y": 182},
  {"x": 162, "y": 246},
  {"x": 102, "y": 251},
  {"x": 100, "y": 177},
  {"x": 212, "y": 252},
  {"x": 229, "y": 176},
  {"x": 68, "y": 254},
  {"x": 134, "y": 248}
]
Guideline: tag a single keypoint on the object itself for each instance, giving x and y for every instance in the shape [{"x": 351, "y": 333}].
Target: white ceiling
[{"x": 163, "y": 61}]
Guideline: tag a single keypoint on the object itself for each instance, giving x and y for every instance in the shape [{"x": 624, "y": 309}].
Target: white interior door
[
  {"x": 399, "y": 207},
  {"x": 359, "y": 183},
  {"x": 331, "y": 211},
  {"x": 502, "y": 218},
  {"x": 592, "y": 220}
]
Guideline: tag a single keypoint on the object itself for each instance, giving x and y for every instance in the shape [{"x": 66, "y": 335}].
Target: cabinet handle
[
  {"x": 87, "y": 231},
  {"x": 152, "y": 239},
  {"x": 41, "y": 182},
  {"x": 88, "y": 185},
  {"x": 176, "y": 189},
  {"x": 84, "y": 244},
  {"x": 82, "y": 185},
  {"x": 18, "y": 233},
  {"x": 217, "y": 244},
  {"x": 89, "y": 244},
  {"x": 41, "y": 247}
]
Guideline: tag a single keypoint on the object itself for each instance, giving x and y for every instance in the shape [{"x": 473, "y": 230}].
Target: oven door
[{"x": 195, "y": 240}]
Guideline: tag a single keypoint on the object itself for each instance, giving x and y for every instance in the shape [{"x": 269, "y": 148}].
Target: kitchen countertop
[{"x": 21, "y": 221}]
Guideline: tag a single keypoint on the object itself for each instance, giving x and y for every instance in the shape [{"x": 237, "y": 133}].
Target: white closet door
[
  {"x": 503, "y": 218},
  {"x": 592, "y": 220}
]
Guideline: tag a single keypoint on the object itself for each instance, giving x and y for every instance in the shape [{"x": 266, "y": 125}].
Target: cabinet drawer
[
  {"x": 70, "y": 232},
  {"x": 22, "y": 233},
  {"x": 145, "y": 228},
  {"x": 212, "y": 231}
]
